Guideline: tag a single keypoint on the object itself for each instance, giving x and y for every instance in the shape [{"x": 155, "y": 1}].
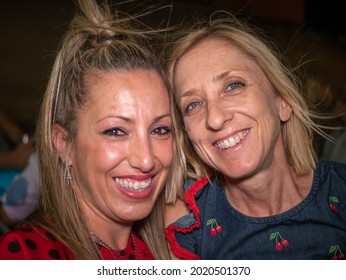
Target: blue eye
[
  {"x": 114, "y": 132},
  {"x": 192, "y": 106},
  {"x": 234, "y": 85}
]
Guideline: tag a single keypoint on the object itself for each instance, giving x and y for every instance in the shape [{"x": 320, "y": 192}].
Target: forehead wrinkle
[{"x": 156, "y": 119}]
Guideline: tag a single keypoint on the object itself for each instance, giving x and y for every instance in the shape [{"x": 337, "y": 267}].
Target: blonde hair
[
  {"x": 298, "y": 130},
  {"x": 102, "y": 41}
]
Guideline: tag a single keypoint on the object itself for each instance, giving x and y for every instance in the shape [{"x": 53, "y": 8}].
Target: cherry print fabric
[
  {"x": 27, "y": 243},
  {"x": 313, "y": 229}
]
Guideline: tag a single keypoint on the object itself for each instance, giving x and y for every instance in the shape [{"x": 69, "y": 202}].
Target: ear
[
  {"x": 285, "y": 110},
  {"x": 60, "y": 142}
]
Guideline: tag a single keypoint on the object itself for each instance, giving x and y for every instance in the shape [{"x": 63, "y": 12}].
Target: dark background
[{"x": 309, "y": 32}]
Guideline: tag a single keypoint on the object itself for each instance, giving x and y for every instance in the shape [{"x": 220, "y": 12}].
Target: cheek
[
  {"x": 194, "y": 133},
  {"x": 101, "y": 156},
  {"x": 109, "y": 152},
  {"x": 110, "y": 155},
  {"x": 164, "y": 152}
]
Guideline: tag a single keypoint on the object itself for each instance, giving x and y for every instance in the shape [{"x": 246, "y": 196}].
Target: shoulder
[
  {"x": 175, "y": 211},
  {"x": 195, "y": 185},
  {"x": 32, "y": 243},
  {"x": 194, "y": 189},
  {"x": 183, "y": 220},
  {"x": 332, "y": 164},
  {"x": 330, "y": 178},
  {"x": 331, "y": 170}
]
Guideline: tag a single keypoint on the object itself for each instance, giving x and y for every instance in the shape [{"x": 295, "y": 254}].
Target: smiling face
[
  {"x": 231, "y": 113},
  {"x": 123, "y": 147}
]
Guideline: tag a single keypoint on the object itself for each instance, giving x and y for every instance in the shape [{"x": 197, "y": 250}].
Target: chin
[{"x": 138, "y": 213}]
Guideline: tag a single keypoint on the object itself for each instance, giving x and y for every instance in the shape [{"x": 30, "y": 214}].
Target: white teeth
[
  {"x": 232, "y": 141},
  {"x": 133, "y": 185}
]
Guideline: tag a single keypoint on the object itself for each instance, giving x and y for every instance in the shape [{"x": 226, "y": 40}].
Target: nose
[
  {"x": 217, "y": 115},
  {"x": 142, "y": 156}
]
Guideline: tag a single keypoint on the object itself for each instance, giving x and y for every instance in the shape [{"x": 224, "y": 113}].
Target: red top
[{"x": 27, "y": 243}]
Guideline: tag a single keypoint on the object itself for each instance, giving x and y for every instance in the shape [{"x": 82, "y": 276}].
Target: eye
[
  {"x": 234, "y": 85},
  {"x": 192, "y": 106},
  {"x": 161, "y": 130},
  {"x": 114, "y": 131}
]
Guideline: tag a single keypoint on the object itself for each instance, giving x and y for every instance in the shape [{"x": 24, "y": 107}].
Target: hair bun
[{"x": 105, "y": 37}]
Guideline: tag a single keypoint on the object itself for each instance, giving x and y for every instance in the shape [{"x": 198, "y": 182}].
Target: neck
[
  {"x": 116, "y": 254},
  {"x": 266, "y": 194},
  {"x": 115, "y": 233},
  {"x": 116, "y": 239}
]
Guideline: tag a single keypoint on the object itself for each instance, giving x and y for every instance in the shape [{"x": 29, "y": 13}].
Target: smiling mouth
[
  {"x": 137, "y": 186},
  {"x": 232, "y": 141}
]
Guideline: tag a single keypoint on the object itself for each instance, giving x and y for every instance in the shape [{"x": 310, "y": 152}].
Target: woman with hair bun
[{"x": 106, "y": 141}]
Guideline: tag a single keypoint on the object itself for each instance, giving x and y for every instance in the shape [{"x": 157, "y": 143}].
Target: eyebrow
[
  {"x": 217, "y": 78},
  {"x": 187, "y": 93},
  {"x": 221, "y": 76},
  {"x": 161, "y": 117},
  {"x": 129, "y": 120}
]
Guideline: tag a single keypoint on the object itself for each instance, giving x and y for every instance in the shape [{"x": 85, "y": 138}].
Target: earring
[{"x": 68, "y": 176}]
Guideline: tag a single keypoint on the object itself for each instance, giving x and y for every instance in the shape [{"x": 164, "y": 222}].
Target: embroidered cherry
[
  {"x": 333, "y": 201},
  {"x": 218, "y": 228},
  {"x": 278, "y": 246},
  {"x": 332, "y": 207},
  {"x": 337, "y": 253},
  {"x": 279, "y": 241},
  {"x": 214, "y": 226}
]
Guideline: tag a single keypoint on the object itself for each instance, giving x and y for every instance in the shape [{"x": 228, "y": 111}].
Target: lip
[
  {"x": 135, "y": 186},
  {"x": 232, "y": 140}
]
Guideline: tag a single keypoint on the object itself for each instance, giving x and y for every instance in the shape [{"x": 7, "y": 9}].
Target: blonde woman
[{"x": 257, "y": 190}]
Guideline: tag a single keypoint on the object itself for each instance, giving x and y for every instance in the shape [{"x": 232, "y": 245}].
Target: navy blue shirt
[{"x": 313, "y": 229}]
